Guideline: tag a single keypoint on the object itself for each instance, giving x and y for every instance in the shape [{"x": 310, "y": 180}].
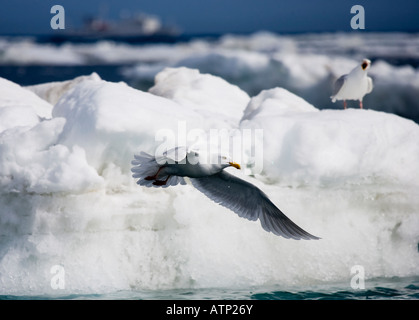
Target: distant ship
[{"x": 140, "y": 28}]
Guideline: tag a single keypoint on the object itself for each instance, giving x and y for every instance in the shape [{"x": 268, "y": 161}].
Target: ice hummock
[
  {"x": 67, "y": 196},
  {"x": 305, "y": 146},
  {"x": 305, "y": 64}
]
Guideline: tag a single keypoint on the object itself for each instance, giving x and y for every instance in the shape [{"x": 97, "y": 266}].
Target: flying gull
[
  {"x": 354, "y": 85},
  {"x": 209, "y": 177}
]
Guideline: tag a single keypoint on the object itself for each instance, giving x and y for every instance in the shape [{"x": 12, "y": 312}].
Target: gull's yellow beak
[{"x": 235, "y": 165}]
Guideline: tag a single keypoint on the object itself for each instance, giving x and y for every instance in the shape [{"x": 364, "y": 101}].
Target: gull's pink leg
[
  {"x": 344, "y": 104},
  {"x": 360, "y": 104},
  {"x": 154, "y": 177},
  {"x": 161, "y": 182}
]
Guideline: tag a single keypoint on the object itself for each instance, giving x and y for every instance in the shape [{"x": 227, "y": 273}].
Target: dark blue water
[
  {"x": 26, "y": 75},
  {"x": 394, "y": 288}
]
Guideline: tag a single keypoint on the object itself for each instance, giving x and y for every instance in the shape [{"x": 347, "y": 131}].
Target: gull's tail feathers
[{"x": 145, "y": 165}]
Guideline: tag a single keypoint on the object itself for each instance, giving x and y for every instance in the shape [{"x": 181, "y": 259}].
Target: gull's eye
[{"x": 364, "y": 65}]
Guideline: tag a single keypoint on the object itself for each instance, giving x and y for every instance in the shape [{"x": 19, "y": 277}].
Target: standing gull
[
  {"x": 209, "y": 177},
  {"x": 354, "y": 85}
]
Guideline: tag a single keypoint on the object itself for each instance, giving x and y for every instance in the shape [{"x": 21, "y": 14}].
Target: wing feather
[
  {"x": 338, "y": 85},
  {"x": 249, "y": 202},
  {"x": 370, "y": 85}
]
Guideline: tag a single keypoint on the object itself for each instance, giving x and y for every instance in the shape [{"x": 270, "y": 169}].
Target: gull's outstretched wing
[
  {"x": 370, "y": 85},
  {"x": 249, "y": 202},
  {"x": 338, "y": 85}
]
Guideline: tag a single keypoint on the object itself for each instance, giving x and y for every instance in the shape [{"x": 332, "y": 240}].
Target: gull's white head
[
  {"x": 227, "y": 162},
  {"x": 365, "y": 65},
  {"x": 216, "y": 160}
]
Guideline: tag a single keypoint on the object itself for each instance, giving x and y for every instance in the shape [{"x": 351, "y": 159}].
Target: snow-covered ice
[
  {"x": 303, "y": 145},
  {"x": 67, "y": 196},
  {"x": 210, "y": 96},
  {"x": 306, "y": 64}
]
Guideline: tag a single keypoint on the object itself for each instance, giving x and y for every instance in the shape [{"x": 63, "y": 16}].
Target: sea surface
[{"x": 394, "y": 288}]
